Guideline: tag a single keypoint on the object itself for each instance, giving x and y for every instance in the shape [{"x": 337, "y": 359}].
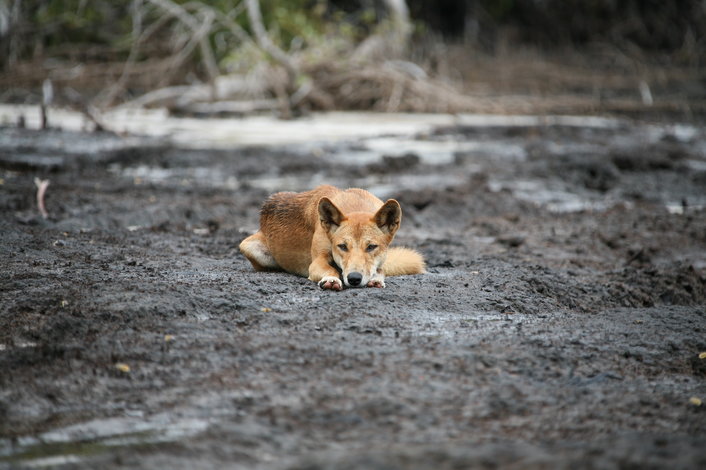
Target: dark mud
[{"x": 559, "y": 326}]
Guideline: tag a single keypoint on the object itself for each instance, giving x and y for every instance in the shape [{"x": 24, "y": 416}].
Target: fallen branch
[
  {"x": 163, "y": 96},
  {"x": 238, "y": 108},
  {"x": 250, "y": 87}
]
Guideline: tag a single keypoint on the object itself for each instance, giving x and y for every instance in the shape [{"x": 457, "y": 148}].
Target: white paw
[
  {"x": 377, "y": 280},
  {"x": 330, "y": 282}
]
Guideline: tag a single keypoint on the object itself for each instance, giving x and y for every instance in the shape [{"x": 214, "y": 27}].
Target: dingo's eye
[
  {"x": 370, "y": 248},
  {"x": 343, "y": 247}
]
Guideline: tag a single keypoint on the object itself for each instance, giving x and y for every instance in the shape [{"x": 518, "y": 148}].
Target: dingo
[{"x": 329, "y": 235}]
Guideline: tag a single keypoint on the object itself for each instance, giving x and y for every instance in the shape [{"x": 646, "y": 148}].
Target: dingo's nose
[{"x": 355, "y": 279}]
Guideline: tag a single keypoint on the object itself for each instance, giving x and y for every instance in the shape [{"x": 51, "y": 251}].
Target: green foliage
[
  {"x": 61, "y": 22},
  {"x": 313, "y": 27},
  {"x": 294, "y": 20}
]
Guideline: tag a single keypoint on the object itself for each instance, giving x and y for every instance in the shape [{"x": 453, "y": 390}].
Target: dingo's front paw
[
  {"x": 377, "y": 281},
  {"x": 330, "y": 282}
]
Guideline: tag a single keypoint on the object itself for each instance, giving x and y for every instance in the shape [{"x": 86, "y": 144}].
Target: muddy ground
[{"x": 559, "y": 326}]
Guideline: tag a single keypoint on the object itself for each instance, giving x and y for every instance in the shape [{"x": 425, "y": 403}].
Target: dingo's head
[{"x": 359, "y": 240}]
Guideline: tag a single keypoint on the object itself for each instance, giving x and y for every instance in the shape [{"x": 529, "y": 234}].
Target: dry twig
[{"x": 42, "y": 186}]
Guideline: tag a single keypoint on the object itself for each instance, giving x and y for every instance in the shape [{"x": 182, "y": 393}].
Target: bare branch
[
  {"x": 108, "y": 96},
  {"x": 200, "y": 29},
  {"x": 392, "y": 37},
  {"x": 160, "y": 95},
  {"x": 266, "y": 44},
  {"x": 228, "y": 22}
]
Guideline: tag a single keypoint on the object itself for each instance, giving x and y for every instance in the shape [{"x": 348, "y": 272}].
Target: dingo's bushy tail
[{"x": 401, "y": 261}]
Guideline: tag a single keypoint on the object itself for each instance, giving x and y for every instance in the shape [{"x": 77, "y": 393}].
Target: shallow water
[{"x": 361, "y": 139}]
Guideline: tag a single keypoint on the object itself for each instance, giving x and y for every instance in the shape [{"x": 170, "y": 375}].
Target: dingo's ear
[
  {"x": 329, "y": 215},
  {"x": 388, "y": 217}
]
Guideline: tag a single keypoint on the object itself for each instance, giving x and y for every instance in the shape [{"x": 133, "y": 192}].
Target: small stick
[{"x": 41, "y": 191}]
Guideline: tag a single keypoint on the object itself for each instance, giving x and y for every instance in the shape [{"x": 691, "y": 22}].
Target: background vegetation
[{"x": 412, "y": 55}]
